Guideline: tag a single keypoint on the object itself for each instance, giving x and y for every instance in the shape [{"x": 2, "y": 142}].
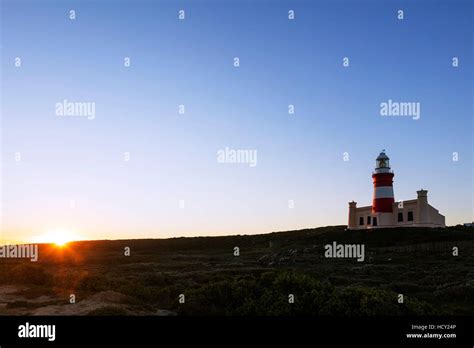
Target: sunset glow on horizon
[{"x": 59, "y": 237}]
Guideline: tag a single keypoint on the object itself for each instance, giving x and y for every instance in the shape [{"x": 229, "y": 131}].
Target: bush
[
  {"x": 268, "y": 295},
  {"x": 93, "y": 284},
  {"x": 28, "y": 274}
]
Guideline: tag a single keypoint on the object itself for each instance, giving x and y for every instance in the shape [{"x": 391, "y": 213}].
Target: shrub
[{"x": 28, "y": 274}]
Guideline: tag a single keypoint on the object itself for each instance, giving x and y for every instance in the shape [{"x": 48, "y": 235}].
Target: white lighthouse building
[{"x": 385, "y": 212}]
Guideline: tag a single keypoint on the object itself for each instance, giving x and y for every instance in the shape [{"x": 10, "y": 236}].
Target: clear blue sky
[{"x": 190, "y": 62}]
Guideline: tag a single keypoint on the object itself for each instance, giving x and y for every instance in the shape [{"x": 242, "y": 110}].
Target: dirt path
[{"x": 12, "y": 303}]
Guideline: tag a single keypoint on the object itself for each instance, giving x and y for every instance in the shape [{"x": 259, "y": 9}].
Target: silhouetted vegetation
[{"x": 415, "y": 262}]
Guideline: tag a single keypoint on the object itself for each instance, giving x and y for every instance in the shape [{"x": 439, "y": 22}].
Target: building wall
[
  {"x": 436, "y": 218},
  {"x": 362, "y": 212},
  {"x": 408, "y": 208},
  {"x": 421, "y": 213}
]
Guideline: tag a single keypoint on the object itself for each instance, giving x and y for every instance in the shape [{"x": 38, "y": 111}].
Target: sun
[
  {"x": 58, "y": 237},
  {"x": 61, "y": 241}
]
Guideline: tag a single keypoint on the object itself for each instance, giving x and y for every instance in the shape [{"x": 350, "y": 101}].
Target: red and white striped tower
[{"x": 383, "y": 200}]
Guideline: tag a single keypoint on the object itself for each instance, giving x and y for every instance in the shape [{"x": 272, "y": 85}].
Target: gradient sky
[{"x": 190, "y": 62}]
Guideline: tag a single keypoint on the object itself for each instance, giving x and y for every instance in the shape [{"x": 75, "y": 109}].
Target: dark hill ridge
[
  {"x": 391, "y": 237},
  {"x": 415, "y": 262}
]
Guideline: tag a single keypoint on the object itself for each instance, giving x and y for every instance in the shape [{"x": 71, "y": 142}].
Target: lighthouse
[
  {"x": 383, "y": 198},
  {"x": 385, "y": 212}
]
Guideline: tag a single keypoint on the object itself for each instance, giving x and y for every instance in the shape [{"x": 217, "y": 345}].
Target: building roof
[{"x": 382, "y": 156}]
